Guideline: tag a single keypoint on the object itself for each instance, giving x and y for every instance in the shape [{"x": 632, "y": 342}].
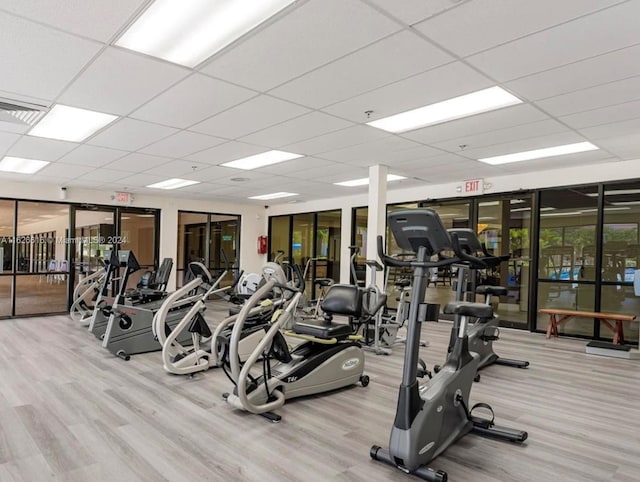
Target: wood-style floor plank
[{"x": 70, "y": 411}]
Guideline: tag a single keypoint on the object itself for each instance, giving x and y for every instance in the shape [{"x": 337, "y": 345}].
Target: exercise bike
[
  {"x": 431, "y": 418},
  {"x": 329, "y": 358},
  {"x": 481, "y": 332}
]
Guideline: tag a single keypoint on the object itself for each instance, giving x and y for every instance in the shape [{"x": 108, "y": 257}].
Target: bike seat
[
  {"x": 491, "y": 290},
  {"x": 402, "y": 283},
  {"x": 324, "y": 282},
  {"x": 463, "y": 308},
  {"x": 322, "y": 329}
]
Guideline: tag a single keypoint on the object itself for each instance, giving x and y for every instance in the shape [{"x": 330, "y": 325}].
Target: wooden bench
[{"x": 606, "y": 318}]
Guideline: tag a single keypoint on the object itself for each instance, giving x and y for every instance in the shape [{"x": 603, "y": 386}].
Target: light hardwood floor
[{"x": 69, "y": 411}]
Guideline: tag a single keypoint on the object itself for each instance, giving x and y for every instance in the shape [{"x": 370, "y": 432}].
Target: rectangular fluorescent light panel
[
  {"x": 261, "y": 160},
  {"x": 365, "y": 181},
  {"x": 173, "y": 184},
  {"x": 275, "y": 195},
  {"x": 466, "y": 105},
  {"x": 187, "y": 33},
  {"x": 540, "y": 153},
  {"x": 70, "y": 123},
  {"x": 20, "y": 165}
]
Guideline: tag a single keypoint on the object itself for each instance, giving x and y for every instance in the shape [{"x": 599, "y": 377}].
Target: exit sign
[
  {"x": 473, "y": 186},
  {"x": 122, "y": 197}
]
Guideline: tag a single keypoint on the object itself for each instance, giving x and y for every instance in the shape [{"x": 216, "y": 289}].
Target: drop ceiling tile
[
  {"x": 63, "y": 170},
  {"x": 137, "y": 181},
  {"x": 182, "y": 144},
  {"x": 29, "y": 47},
  {"x": 601, "y": 69},
  {"x": 625, "y": 146},
  {"x": 7, "y": 140},
  {"x": 47, "y": 179},
  {"x": 137, "y": 162},
  {"x": 304, "y": 166},
  {"x": 253, "y": 115},
  {"x": 388, "y": 150},
  {"x": 534, "y": 129},
  {"x": 14, "y": 127},
  {"x": 593, "y": 98},
  {"x": 613, "y": 129},
  {"x": 351, "y": 136},
  {"x": 577, "y": 40},
  {"x": 217, "y": 174},
  {"x": 521, "y": 145},
  {"x": 413, "y": 11},
  {"x": 604, "y": 115},
  {"x": 92, "y": 156},
  {"x": 104, "y": 175},
  {"x": 40, "y": 148},
  {"x": 90, "y": 18},
  {"x": 482, "y": 24},
  {"x": 557, "y": 162},
  {"x": 443, "y": 83},
  {"x": 477, "y": 124},
  {"x": 432, "y": 164},
  {"x": 305, "y": 127},
  {"x": 402, "y": 55},
  {"x": 229, "y": 151},
  {"x": 119, "y": 81},
  {"x": 131, "y": 135},
  {"x": 192, "y": 100},
  {"x": 270, "y": 56},
  {"x": 346, "y": 173},
  {"x": 176, "y": 169}
]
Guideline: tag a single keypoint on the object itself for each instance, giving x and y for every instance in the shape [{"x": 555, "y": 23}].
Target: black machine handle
[{"x": 301, "y": 283}]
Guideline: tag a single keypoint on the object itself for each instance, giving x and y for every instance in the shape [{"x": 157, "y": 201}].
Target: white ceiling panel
[
  {"x": 579, "y": 75},
  {"x": 138, "y": 181},
  {"x": 394, "y": 58},
  {"x": 217, "y": 174},
  {"x": 182, "y": 144},
  {"x": 13, "y": 127},
  {"x": 176, "y": 168},
  {"x": 625, "y": 146},
  {"x": 482, "y": 24},
  {"x": 136, "y": 162},
  {"x": 350, "y": 136},
  {"x": 27, "y": 47},
  {"x": 614, "y": 129},
  {"x": 541, "y": 142},
  {"x": 593, "y": 97},
  {"x": 62, "y": 170},
  {"x": 302, "y": 164},
  {"x": 413, "y": 11},
  {"x": 91, "y": 18},
  {"x": 229, "y": 151},
  {"x": 388, "y": 150},
  {"x": 346, "y": 173},
  {"x": 119, "y": 81},
  {"x": 290, "y": 47},
  {"x": 296, "y": 130},
  {"x": 577, "y": 160},
  {"x": 477, "y": 124},
  {"x": 131, "y": 135},
  {"x": 319, "y": 167},
  {"x": 92, "y": 156},
  {"x": 104, "y": 175},
  {"x": 585, "y": 37},
  {"x": 605, "y": 115},
  {"x": 40, "y": 148},
  {"x": 445, "y": 160},
  {"x": 534, "y": 129},
  {"x": 423, "y": 89},
  {"x": 251, "y": 116},
  {"x": 7, "y": 140},
  {"x": 191, "y": 101}
]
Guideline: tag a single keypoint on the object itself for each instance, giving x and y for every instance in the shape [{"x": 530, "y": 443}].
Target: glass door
[
  {"x": 302, "y": 246},
  {"x": 139, "y": 233}
]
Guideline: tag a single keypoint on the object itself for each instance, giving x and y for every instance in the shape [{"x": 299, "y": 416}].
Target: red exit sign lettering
[{"x": 472, "y": 186}]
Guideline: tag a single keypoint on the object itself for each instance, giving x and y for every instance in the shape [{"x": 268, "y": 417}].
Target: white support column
[
  {"x": 169, "y": 240},
  {"x": 345, "y": 242},
  {"x": 376, "y": 221}
]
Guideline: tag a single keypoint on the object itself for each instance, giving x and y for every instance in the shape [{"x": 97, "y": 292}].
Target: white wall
[{"x": 253, "y": 222}]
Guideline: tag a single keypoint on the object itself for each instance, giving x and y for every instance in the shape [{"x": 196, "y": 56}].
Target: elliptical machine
[
  {"x": 431, "y": 418},
  {"x": 482, "y": 332}
]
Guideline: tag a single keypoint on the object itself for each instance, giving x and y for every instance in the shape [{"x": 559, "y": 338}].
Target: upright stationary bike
[{"x": 431, "y": 418}]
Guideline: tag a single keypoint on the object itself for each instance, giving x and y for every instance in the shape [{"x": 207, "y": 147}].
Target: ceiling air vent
[{"x": 21, "y": 112}]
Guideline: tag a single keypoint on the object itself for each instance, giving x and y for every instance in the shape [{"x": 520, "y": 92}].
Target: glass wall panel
[
  {"x": 567, "y": 253},
  {"x": 5, "y": 295},
  {"x": 7, "y": 214},
  {"x": 138, "y": 234},
  {"x": 620, "y": 246},
  {"x": 302, "y": 245},
  {"x": 95, "y": 230},
  {"x": 36, "y": 294},
  {"x": 279, "y": 237},
  {"x": 224, "y": 234},
  {"x": 360, "y": 222},
  {"x": 192, "y": 239},
  {"x": 328, "y": 232}
]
